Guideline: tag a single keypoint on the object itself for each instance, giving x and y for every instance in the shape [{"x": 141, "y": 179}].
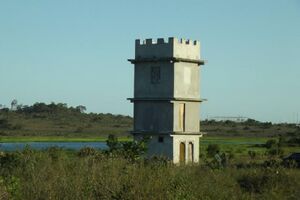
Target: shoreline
[{"x": 207, "y": 139}]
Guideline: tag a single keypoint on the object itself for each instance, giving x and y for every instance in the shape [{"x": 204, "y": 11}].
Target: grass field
[{"x": 56, "y": 139}]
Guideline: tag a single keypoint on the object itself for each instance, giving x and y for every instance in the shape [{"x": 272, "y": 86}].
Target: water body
[{"x": 14, "y": 146}]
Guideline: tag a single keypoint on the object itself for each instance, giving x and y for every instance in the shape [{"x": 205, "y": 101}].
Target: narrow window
[
  {"x": 160, "y": 139},
  {"x": 181, "y": 117},
  {"x": 155, "y": 75}
]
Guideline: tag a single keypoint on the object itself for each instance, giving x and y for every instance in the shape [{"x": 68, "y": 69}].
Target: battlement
[
  {"x": 173, "y": 47},
  {"x": 171, "y": 40}
]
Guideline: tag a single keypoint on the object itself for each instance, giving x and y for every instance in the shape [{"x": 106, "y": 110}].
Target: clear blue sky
[{"x": 75, "y": 52}]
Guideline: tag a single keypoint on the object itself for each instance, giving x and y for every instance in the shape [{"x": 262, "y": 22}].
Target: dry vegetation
[{"x": 91, "y": 174}]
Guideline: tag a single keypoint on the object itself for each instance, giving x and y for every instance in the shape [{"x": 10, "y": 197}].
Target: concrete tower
[{"x": 167, "y": 97}]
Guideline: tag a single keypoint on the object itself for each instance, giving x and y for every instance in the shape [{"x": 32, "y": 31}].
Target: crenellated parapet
[{"x": 172, "y": 48}]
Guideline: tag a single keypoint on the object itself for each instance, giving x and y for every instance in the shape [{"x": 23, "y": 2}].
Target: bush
[
  {"x": 87, "y": 151},
  {"x": 270, "y": 143},
  {"x": 293, "y": 141},
  {"x": 79, "y": 129},
  {"x": 55, "y": 153},
  {"x": 275, "y": 151},
  {"x": 132, "y": 151},
  {"x": 3, "y": 190},
  {"x": 253, "y": 183},
  {"x": 252, "y": 154},
  {"x": 272, "y": 163},
  {"x": 17, "y": 126},
  {"x": 290, "y": 164},
  {"x": 212, "y": 150},
  {"x": 4, "y": 124},
  {"x": 9, "y": 161},
  {"x": 112, "y": 143}
]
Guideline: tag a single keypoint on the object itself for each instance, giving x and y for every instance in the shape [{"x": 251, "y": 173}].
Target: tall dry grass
[{"x": 59, "y": 174}]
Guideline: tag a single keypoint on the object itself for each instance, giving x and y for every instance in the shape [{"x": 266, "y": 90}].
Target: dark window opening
[
  {"x": 155, "y": 75},
  {"x": 160, "y": 139}
]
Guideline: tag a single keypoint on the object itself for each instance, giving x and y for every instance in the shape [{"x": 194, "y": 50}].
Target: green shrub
[
  {"x": 13, "y": 187},
  {"x": 252, "y": 154},
  {"x": 272, "y": 163},
  {"x": 112, "y": 143},
  {"x": 9, "y": 161},
  {"x": 3, "y": 190},
  {"x": 270, "y": 144},
  {"x": 275, "y": 151},
  {"x": 212, "y": 150}
]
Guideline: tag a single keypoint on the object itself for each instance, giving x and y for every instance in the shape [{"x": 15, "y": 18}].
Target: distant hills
[{"x": 59, "y": 119}]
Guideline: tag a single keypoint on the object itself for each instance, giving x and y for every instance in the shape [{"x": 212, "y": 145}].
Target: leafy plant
[{"x": 212, "y": 150}]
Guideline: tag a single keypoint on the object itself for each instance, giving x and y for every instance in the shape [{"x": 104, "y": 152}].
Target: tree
[
  {"x": 112, "y": 142},
  {"x": 14, "y": 104},
  {"x": 132, "y": 150},
  {"x": 81, "y": 108}
]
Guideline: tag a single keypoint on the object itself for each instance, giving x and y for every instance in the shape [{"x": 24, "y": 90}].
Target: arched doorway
[
  {"x": 182, "y": 152},
  {"x": 191, "y": 152}
]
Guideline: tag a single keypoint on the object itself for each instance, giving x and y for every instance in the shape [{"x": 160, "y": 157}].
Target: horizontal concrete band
[
  {"x": 168, "y": 59},
  {"x": 166, "y": 99},
  {"x": 149, "y": 133}
]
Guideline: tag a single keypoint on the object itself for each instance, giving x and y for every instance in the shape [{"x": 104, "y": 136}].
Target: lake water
[{"x": 13, "y": 146}]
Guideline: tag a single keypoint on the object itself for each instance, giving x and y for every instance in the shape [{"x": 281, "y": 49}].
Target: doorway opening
[
  {"x": 182, "y": 152},
  {"x": 191, "y": 152}
]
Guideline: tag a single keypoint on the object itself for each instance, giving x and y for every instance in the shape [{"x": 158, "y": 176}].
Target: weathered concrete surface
[
  {"x": 186, "y": 80},
  {"x": 153, "y": 117},
  {"x": 174, "y": 47},
  {"x": 192, "y": 117},
  {"x": 166, "y": 96},
  {"x": 162, "y": 149},
  {"x": 186, "y": 139},
  {"x": 142, "y": 81}
]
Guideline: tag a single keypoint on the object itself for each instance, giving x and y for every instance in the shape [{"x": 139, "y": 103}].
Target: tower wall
[
  {"x": 192, "y": 119},
  {"x": 153, "y": 117},
  {"x": 186, "y": 139},
  {"x": 154, "y": 80},
  {"x": 167, "y": 97},
  {"x": 186, "y": 80}
]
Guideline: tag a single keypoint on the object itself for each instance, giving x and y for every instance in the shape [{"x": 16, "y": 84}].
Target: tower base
[{"x": 180, "y": 148}]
